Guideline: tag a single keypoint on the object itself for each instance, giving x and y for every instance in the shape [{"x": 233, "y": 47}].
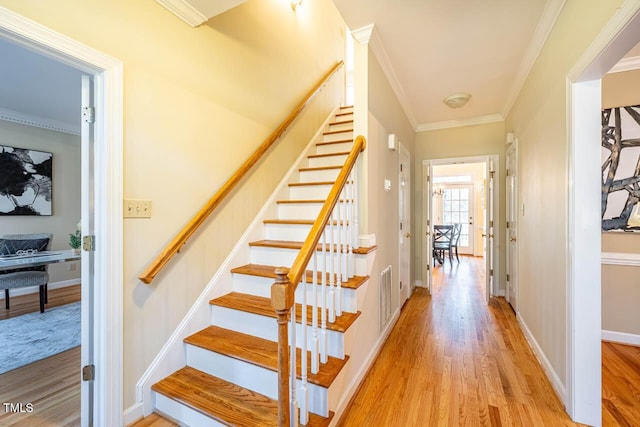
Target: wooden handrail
[
  {"x": 181, "y": 238},
  {"x": 283, "y": 290}
]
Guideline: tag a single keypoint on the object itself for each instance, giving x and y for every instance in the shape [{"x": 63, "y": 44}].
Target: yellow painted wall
[
  {"x": 197, "y": 102},
  {"x": 539, "y": 119},
  {"x": 620, "y": 284}
]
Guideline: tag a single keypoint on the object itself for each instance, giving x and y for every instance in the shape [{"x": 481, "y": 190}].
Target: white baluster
[
  {"x": 351, "y": 191},
  {"x": 293, "y": 403},
  {"x": 323, "y": 303},
  {"x": 303, "y": 398},
  {"x": 342, "y": 242},
  {"x": 356, "y": 222},
  {"x": 315, "y": 344},
  {"x": 332, "y": 272}
]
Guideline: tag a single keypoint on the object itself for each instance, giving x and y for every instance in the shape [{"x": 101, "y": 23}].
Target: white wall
[{"x": 65, "y": 193}]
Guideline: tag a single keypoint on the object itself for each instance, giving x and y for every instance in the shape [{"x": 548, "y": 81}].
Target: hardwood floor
[
  {"x": 620, "y": 385},
  {"x": 51, "y": 385},
  {"x": 453, "y": 360}
]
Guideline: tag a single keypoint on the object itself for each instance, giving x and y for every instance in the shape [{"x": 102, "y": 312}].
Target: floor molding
[
  {"x": 551, "y": 374},
  {"x": 621, "y": 338}
]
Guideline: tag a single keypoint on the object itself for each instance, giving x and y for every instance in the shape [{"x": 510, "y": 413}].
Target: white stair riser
[
  {"x": 285, "y": 257},
  {"x": 306, "y": 192},
  {"x": 319, "y": 175},
  {"x": 334, "y": 148},
  {"x": 336, "y": 160},
  {"x": 337, "y": 136},
  {"x": 267, "y": 328},
  {"x": 252, "y": 377},
  {"x": 308, "y": 211},
  {"x": 296, "y": 232},
  {"x": 341, "y": 126},
  {"x": 178, "y": 411},
  {"x": 261, "y": 287}
]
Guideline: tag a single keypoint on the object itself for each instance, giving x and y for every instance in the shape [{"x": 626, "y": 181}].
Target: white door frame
[
  {"x": 584, "y": 104},
  {"x": 405, "y": 232},
  {"x": 426, "y": 214},
  {"x": 511, "y": 243},
  {"x": 108, "y": 79}
]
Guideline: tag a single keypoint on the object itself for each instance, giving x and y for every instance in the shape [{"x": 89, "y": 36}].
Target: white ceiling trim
[
  {"x": 548, "y": 19},
  {"x": 185, "y": 11},
  {"x": 480, "y": 120},
  {"x": 626, "y": 64},
  {"x": 370, "y": 36},
  {"x": 39, "y": 122}
]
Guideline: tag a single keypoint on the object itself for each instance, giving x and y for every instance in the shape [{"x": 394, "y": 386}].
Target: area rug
[{"x": 34, "y": 336}]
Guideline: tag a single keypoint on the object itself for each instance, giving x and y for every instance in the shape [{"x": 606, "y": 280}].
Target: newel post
[{"x": 282, "y": 296}]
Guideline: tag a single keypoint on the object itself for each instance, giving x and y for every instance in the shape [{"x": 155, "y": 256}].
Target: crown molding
[
  {"x": 185, "y": 11},
  {"x": 39, "y": 122},
  {"x": 626, "y": 64},
  {"x": 548, "y": 19},
  {"x": 367, "y": 35},
  {"x": 480, "y": 120},
  {"x": 363, "y": 34}
]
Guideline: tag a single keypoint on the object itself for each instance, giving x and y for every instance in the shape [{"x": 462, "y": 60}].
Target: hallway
[{"x": 453, "y": 360}]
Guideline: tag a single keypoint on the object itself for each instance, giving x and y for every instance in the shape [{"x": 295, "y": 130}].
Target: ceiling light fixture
[
  {"x": 457, "y": 100},
  {"x": 295, "y": 4}
]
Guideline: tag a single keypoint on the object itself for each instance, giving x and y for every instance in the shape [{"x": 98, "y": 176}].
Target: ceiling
[{"x": 428, "y": 49}]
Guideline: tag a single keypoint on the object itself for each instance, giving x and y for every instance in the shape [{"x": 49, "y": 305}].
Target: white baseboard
[
  {"x": 364, "y": 368},
  {"x": 621, "y": 337},
  {"x": 132, "y": 414},
  {"x": 418, "y": 284},
  {"x": 551, "y": 374},
  {"x": 34, "y": 289}
]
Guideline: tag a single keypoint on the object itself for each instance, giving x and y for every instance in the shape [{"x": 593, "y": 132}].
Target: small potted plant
[{"x": 75, "y": 240}]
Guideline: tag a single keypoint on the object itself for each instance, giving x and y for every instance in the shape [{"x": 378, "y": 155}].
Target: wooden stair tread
[
  {"x": 304, "y": 184},
  {"x": 340, "y": 122},
  {"x": 341, "y": 153},
  {"x": 320, "y": 168},
  {"x": 298, "y": 221},
  {"x": 223, "y": 401},
  {"x": 260, "y": 352},
  {"x": 302, "y": 201},
  {"x": 262, "y": 306},
  {"x": 286, "y": 244},
  {"x": 344, "y": 107},
  {"x": 269, "y": 271},
  {"x": 333, "y": 132},
  {"x": 344, "y": 113},
  {"x": 340, "y": 141}
]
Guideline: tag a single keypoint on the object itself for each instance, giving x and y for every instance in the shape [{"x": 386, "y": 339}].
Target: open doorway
[
  {"x": 459, "y": 198},
  {"x": 101, "y": 194}
]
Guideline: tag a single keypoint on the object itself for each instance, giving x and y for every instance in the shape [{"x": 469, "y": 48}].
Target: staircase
[{"x": 230, "y": 377}]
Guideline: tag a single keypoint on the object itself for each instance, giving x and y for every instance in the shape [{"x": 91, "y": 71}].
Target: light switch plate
[{"x": 137, "y": 208}]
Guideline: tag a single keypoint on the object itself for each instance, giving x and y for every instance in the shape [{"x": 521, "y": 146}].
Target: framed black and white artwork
[
  {"x": 25, "y": 181},
  {"x": 620, "y": 201}
]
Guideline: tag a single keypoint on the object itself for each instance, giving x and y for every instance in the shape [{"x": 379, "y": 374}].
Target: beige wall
[
  {"x": 465, "y": 141},
  {"x": 65, "y": 205},
  {"x": 197, "y": 102},
  {"x": 539, "y": 119},
  {"x": 620, "y": 285}
]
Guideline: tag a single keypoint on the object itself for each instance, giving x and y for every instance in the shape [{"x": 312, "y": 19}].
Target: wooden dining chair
[
  {"x": 457, "y": 228},
  {"x": 442, "y": 239}
]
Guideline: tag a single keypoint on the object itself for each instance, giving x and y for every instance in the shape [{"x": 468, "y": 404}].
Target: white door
[
  {"x": 427, "y": 170},
  {"x": 489, "y": 233},
  {"x": 87, "y": 259},
  {"x": 457, "y": 208},
  {"x": 512, "y": 226},
  {"x": 404, "y": 195}
]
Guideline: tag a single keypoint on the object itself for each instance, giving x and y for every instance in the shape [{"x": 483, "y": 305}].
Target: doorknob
[{"x": 408, "y": 235}]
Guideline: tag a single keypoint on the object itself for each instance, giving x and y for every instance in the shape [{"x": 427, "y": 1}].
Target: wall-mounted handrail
[
  {"x": 283, "y": 290},
  {"x": 192, "y": 226}
]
